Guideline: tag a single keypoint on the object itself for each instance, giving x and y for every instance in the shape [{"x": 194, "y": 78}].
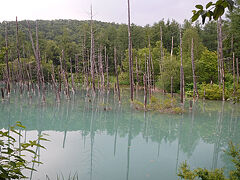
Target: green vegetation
[
  {"x": 168, "y": 105},
  {"x": 216, "y": 174},
  {"x": 12, "y": 153},
  {"x": 162, "y": 54}
]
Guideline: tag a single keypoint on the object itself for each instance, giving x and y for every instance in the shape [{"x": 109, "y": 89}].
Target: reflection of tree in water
[{"x": 210, "y": 122}]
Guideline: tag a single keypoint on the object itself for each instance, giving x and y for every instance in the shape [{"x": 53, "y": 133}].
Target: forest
[
  {"x": 155, "y": 52},
  {"x": 155, "y": 93}
]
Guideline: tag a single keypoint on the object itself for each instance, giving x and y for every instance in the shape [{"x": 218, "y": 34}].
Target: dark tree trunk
[
  {"x": 234, "y": 81},
  {"x": 92, "y": 55},
  {"x": 195, "y": 91},
  {"x": 221, "y": 58},
  {"x": 237, "y": 72},
  {"x": 6, "y": 57},
  {"x": 181, "y": 70},
  {"x": 130, "y": 53},
  {"x": 116, "y": 73}
]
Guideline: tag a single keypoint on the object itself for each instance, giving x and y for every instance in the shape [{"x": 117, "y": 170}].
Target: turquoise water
[{"x": 98, "y": 139}]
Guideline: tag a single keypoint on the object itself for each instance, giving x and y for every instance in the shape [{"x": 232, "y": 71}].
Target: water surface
[{"x": 98, "y": 139}]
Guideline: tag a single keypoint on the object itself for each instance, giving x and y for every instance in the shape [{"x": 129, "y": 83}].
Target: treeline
[{"x": 156, "y": 49}]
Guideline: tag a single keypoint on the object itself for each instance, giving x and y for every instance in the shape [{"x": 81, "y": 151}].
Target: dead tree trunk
[
  {"x": 218, "y": 55},
  {"x": 221, "y": 57},
  {"x": 106, "y": 63},
  {"x": 237, "y": 72},
  {"x": 145, "y": 91},
  {"x": 181, "y": 70},
  {"x": 72, "y": 78},
  {"x": 6, "y": 57},
  {"x": 116, "y": 73},
  {"x": 101, "y": 68},
  {"x": 35, "y": 55},
  {"x": 130, "y": 53},
  {"x": 55, "y": 85},
  {"x": 171, "y": 76},
  {"x": 18, "y": 57},
  {"x": 137, "y": 75},
  {"x": 195, "y": 91},
  {"x": 92, "y": 55},
  {"x": 233, "y": 68}
]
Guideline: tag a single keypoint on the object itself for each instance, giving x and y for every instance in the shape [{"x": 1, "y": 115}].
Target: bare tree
[
  {"x": 181, "y": 70},
  {"x": 116, "y": 73},
  {"x": 130, "y": 53},
  {"x": 92, "y": 54},
  {"x": 237, "y": 72},
  {"x": 6, "y": 57},
  {"x": 195, "y": 91},
  {"x": 233, "y": 69},
  {"x": 220, "y": 51}
]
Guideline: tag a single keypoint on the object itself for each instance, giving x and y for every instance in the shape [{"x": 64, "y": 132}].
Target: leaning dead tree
[
  {"x": 130, "y": 53},
  {"x": 35, "y": 55}
]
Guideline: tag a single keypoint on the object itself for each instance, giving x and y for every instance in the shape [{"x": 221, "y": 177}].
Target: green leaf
[
  {"x": 195, "y": 17},
  {"x": 219, "y": 2},
  {"x": 219, "y": 11},
  {"x": 20, "y": 125},
  {"x": 9, "y": 150},
  {"x": 38, "y": 162},
  {"x": 208, "y": 5},
  {"x": 44, "y": 139},
  {"x": 199, "y": 6}
]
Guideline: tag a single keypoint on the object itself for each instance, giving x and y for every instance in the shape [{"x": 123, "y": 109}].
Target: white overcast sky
[{"x": 142, "y": 11}]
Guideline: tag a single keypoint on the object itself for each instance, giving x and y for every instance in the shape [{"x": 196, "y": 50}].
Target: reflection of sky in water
[{"x": 120, "y": 143}]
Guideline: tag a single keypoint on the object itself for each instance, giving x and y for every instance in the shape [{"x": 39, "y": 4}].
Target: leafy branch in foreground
[
  {"x": 12, "y": 153},
  {"x": 217, "y": 174},
  {"x": 212, "y": 10}
]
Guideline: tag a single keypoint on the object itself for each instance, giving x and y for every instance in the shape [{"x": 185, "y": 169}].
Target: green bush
[
  {"x": 217, "y": 174},
  {"x": 212, "y": 92},
  {"x": 12, "y": 159}
]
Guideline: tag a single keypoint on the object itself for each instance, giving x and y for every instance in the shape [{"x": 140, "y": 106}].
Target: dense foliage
[
  {"x": 12, "y": 152},
  {"x": 73, "y": 37}
]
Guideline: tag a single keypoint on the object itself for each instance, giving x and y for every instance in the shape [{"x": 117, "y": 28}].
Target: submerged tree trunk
[
  {"x": 220, "y": 49},
  {"x": 233, "y": 68},
  {"x": 181, "y": 70},
  {"x": 195, "y": 91},
  {"x": 130, "y": 53},
  {"x": 92, "y": 54},
  {"x": 35, "y": 55},
  {"x": 72, "y": 78},
  {"x": 6, "y": 57},
  {"x": 172, "y": 76},
  {"x": 137, "y": 75},
  {"x": 116, "y": 72},
  {"x": 20, "y": 74},
  {"x": 101, "y": 68},
  {"x": 237, "y": 72},
  {"x": 218, "y": 56}
]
